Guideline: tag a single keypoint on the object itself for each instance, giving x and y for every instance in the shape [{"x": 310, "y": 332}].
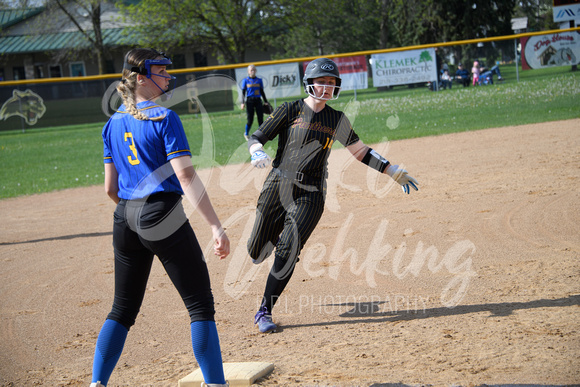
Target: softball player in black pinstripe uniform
[{"x": 292, "y": 199}]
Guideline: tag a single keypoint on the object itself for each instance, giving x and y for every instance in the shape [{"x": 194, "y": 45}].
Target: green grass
[{"x": 43, "y": 160}]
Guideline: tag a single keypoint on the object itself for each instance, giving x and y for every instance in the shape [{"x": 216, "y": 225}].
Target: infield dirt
[{"x": 472, "y": 280}]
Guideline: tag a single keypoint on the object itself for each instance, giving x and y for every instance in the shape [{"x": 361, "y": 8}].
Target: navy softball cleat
[{"x": 264, "y": 321}]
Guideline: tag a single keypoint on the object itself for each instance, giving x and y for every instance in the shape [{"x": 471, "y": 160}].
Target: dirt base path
[{"x": 475, "y": 279}]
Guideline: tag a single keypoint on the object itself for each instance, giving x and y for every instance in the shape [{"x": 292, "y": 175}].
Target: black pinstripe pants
[{"x": 286, "y": 215}]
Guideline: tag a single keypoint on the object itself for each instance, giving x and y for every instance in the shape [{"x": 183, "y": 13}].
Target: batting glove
[
  {"x": 402, "y": 177},
  {"x": 260, "y": 159}
]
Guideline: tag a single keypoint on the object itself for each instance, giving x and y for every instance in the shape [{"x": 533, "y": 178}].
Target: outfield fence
[{"x": 79, "y": 100}]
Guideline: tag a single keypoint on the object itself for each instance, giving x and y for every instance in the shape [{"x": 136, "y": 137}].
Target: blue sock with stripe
[
  {"x": 110, "y": 344},
  {"x": 206, "y": 347}
]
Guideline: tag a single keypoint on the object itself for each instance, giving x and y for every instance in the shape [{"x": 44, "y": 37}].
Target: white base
[{"x": 237, "y": 374}]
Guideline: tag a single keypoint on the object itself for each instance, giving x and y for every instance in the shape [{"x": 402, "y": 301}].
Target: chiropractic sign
[{"x": 405, "y": 67}]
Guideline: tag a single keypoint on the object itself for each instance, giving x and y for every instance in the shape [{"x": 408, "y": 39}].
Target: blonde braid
[{"x": 126, "y": 89}]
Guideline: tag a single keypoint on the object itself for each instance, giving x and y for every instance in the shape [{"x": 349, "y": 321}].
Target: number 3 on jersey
[{"x": 132, "y": 161}]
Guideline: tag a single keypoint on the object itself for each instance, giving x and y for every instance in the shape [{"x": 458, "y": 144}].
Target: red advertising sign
[
  {"x": 348, "y": 65},
  {"x": 353, "y": 71}
]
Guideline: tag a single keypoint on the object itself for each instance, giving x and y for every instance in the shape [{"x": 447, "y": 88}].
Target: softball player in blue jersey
[
  {"x": 147, "y": 170},
  {"x": 253, "y": 93},
  {"x": 292, "y": 199}
]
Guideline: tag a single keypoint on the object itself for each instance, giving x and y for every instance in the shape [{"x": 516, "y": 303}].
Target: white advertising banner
[
  {"x": 551, "y": 50},
  {"x": 280, "y": 81},
  {"x": 405, "y": 67},
  {"x": 566, "y": 10}
]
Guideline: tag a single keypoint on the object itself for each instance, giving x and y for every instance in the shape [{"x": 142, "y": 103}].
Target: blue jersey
[
  {"x": 254, "y": 87},
  {"x": 141, "y": 150}
]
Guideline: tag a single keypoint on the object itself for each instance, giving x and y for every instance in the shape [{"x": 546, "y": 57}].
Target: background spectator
[
  {"x": 446, "y": 79},
  {"x": 486, "y": 76},
  {"x": 462, "y": 75},
  {"x": 475, "y": 73}
]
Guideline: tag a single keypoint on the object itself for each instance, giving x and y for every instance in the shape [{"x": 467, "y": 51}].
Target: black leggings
[
  {"x": 254, "y": 104},
  {"x": 180, "y": 254}
]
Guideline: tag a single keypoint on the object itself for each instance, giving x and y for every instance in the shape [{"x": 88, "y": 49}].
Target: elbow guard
[
  {"x": 375, "y": 160},
  {"x": 257, "y": 138}
]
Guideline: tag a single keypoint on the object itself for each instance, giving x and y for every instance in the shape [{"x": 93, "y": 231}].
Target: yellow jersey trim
[{"x": 179, "y": 151}]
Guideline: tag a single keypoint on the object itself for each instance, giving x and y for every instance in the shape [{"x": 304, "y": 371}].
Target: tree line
[{"x": 229, "y": 29}]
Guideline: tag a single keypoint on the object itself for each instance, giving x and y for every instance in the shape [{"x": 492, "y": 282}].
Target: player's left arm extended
[{"x": 370, "y": 157}]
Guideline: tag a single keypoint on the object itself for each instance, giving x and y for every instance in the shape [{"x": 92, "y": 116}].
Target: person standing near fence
[
  {"x": 292, "y": 199},
  {"x": 475, "y": 73},
  {"x": 147, "y": 170},
  {"x": 252, "y": 95}
]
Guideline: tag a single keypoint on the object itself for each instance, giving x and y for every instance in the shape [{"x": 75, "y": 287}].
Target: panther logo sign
[{"x": 26, "y": 104}]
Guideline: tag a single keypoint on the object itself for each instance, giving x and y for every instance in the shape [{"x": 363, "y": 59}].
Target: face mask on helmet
[
  {"x": 334, "y": 90},
  {"x": 321, "y": 67},
  {"x": 146, "y": 69}
]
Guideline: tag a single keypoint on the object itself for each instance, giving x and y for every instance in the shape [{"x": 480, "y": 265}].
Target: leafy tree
[
  {"x": 429, "y": 21},
  {"x": 403, "y": 17},
  {"x": 227, "y": 27},
  {"x": 383, "y": 7},
  {"x": 85, "y": 16},
  {"x": 314, "y": 28},
  {"x": 539, "y": 14}
]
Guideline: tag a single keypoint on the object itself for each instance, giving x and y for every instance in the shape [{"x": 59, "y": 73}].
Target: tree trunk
[{"x": 384, "y": 23}]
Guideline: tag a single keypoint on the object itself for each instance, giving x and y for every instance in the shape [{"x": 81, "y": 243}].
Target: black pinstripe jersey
[{"x": 305, "y": 137}]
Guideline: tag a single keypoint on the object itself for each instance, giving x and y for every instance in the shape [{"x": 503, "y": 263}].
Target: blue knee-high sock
[
  {"x": 206, "y": 347},
  {"x": 110, "y": 344},
  {"x": 247, "y": 130}
]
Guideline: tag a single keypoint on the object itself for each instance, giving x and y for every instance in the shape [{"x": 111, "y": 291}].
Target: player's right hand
[
  {"x": 221, "y": 243},
  {"x": 260, "y": 159},
  {"x": 402, "y": 177}
]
